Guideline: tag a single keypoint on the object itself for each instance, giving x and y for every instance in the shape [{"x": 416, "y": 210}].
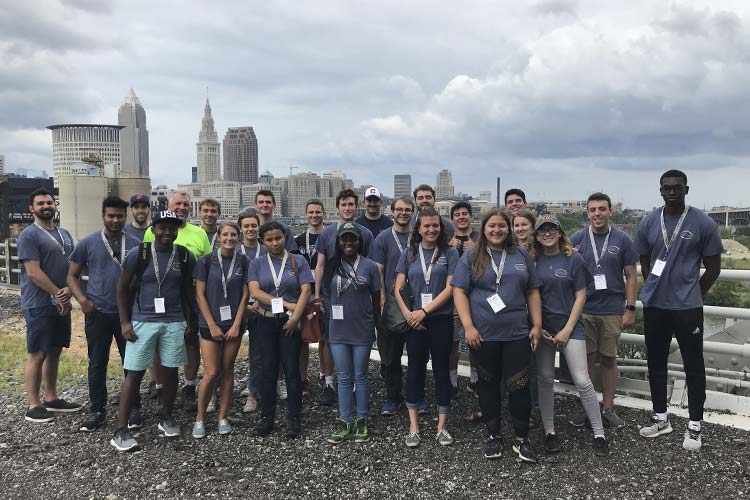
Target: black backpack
[{"x": 144, "y": 259}]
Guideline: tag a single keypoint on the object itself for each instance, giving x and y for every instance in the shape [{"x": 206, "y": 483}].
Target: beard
[{"x": 45, "y": 214}]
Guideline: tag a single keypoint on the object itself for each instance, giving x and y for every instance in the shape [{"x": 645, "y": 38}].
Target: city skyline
[
  {"x": 559, "y": 98},
  {"x": 134, "y": 137},
  {"x": 208, "y": 152},
  {"x": 240, "y": 155}
]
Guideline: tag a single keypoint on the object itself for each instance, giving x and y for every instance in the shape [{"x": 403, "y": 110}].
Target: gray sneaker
[
  {"x": 224, "y": 426},
  {"x": 692, "y": 441},
  {"x": 657, "y": 428},
  {"x": 444, "y": 438},
  {"x": 123, "y": 440},
  {"x": 413, "y": 440},
  {"x": 169, "y": 427},
  {"x": 611, "y": 419},
  {"x": 199, "y": 430}
]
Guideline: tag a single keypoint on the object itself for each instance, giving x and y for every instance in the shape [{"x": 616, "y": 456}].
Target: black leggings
[
  {"x": 507, "y": 362},
  {"x": 659, "y": 326}
]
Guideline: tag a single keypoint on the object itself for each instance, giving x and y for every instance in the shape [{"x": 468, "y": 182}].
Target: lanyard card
[
  {"x": 337, "y": 311},
  {"x": 600, "y": 282},
  {"x": 496, "y": 303},
  {"x": 159, "y": 305},
  {"x": 225, "y": 312},
  {"x": 426, "y": 298},
  {"x": 277, "y": 305},
  {"x": 658, "y": 267}
]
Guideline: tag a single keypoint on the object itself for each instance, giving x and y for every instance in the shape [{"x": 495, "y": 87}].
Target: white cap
[{"x": 372, "y": 191}]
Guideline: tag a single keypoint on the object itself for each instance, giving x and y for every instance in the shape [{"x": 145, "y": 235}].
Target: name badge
[
  {"x": 426, "y": 298},
  {"x": 658, "y": 267},
  {"x": 496, "y": 303},
  {"x": 337, "y": 311},
  {"x": 225, "y": 312},
  {"x": 600, "y": 282},
  {"x": 159, "y": 305},
  {"x": 277, "y": 305}
]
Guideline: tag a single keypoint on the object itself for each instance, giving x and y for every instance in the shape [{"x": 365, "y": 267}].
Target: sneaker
[
  {"x": 423, "y": 408},
  {"x": 361, "y": 433},
  {"x": 579, "y": 420},
  {"x": 342, "y": 433},
  {"x": 524, "y": 451},
  {"x": 92, "y": 422},
  {"x": 473, "y": 388},
  {"x": 224, "y": 427},
  {"x": 601, "y": 446},
  {"x": 329, "y": 396},
  {"x": 199, "y": 430},
  {"x": 413, "y": 439},
  {"x": 281, "y": 391},
  {"x": 169, "y": 427},
  {"x": 264, "y": 427},
  {"x": 657, "y": 428},
  {"x": 692, "y": 441},
  {"x": 305, "y": 388},
  {"x": 188, "y": 396},
  {"x": 611, "y": 419},
  {"x": 123, "y": 440},
  {"x": 391, "y": 408},
  {"x": 135, "y": 419},
  {"x": 39, "y": 415},
  {"x": 250, "y": 405},
  {"x": 293, "y": 427},
  {"x": 444, "y": 438},
  {"x": 61, "y": 406},
  {"x": 552, "y": 443},
  {"x": 493, "y": 448},
  {"x": 211, "y": 407}
]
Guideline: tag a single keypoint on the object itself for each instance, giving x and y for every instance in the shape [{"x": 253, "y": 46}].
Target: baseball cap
[
  {"x": 139, "y": 198},
  {"x": 165, "y": 216},
  {"x": 547, "y": 219},
  {"x": 349, "y": 228},
  {"x": 372, "y": 191}
]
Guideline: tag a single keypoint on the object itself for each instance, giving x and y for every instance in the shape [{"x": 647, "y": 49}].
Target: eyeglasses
[
  {"x": 548, "y": 230},
  {"x": 403, "y": 210}
]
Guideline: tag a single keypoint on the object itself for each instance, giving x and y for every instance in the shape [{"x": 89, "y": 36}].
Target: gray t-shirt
[
  {"x": 103, "y": 269},
  {"x": 143, "y": 305},
  {"x": 385, "y": 251},
  {"x": 519, "y": 276},
  {"x": 289, "y": 288},
  {"x": 560, "y": 277},
  {"x": 620, "y": 253},
  {"x": 678, "y": 286},
  {"x": 444, "y": 266},
  {"x": 134, "y": 231},
  {"x": 252, "y": 252},
  {"x": 358, "y": 325},
  {"x": 214, "y": 291},
  {"x": 326, "y": 243},
  {"x": 51, "y": 249}
]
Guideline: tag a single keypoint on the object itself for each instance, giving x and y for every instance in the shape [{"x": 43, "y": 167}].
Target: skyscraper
[
  {"x": 241, "y": 155},
  {"x": 208, "y": 149},
  {"x": 401, "y": 185},
  {"x": 444, "y": 185},
  {"x": 133, "y": 138}
]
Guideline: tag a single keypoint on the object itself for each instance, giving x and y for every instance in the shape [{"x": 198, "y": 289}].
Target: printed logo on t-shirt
[
  {"x": 686, "y": 235},
  {"x": 175, "y": 266},
  {"x": 520, "y": 267},
  {"x": 613, "y": 250},
  {"x": 238, "y": 271},
  {"x": 560, "y": 273},
  {"x": 361, "y": 280},
  {"x": 442, "y": 260}
]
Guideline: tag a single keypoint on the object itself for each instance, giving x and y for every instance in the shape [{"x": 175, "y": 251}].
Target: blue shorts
[
  {"x": 168, "y": 338},
  {"x": 45, "y": 329}
]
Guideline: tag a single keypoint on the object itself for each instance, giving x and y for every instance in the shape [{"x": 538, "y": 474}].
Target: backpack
[{"x": 144, "y": 259}]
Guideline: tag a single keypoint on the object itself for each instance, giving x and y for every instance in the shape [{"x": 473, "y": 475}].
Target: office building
[
  {"x": 227, "y": 193},
  {"x": 208, "y": 149},
  {"x": 73, "y": 144},
  {"x": 133, "y": 137},
  {"x": 2, "y": 164},
  {"x": 241, "y": 155},
  {"x": 401, "y": 185},
  {"x": 444, "y": 185},
  {"x": 248, "y": 192}
]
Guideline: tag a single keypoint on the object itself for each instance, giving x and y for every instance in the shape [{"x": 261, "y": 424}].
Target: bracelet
[
  {"x": 630, "y": 307},
  {"x": 425, "y": 312}
]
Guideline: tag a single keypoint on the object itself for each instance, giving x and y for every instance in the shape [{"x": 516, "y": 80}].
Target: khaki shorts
[
  {"x": 602, "y": 333},
  {"x": 457, "y": 325}
]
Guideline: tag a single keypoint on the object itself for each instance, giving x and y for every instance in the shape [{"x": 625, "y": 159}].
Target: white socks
[
  {"x": 189, "y": 382},
  {"x": 662, "y": 416},
  {"x": 694, "y": 425},
  {"x": 329, "y": 380}
]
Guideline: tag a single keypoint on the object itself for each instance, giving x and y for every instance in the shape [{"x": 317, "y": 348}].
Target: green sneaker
[
  {"x": 344, "y": 431},
  {"x": 361, "y": 434}
]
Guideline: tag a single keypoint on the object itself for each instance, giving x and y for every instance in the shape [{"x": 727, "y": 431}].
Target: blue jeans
[
  {"x": 352, "y": 367},
  {"x": 275, "y": 348},
  {"x": 436, "y": 342}
]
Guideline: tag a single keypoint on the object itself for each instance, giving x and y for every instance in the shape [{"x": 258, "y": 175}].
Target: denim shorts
[
  {"x": 168, "y": 338},
  {"x": 46, "y": 329}
]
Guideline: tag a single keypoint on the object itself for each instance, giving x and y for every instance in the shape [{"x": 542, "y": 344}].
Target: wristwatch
[{"x": 630, "y": 307}]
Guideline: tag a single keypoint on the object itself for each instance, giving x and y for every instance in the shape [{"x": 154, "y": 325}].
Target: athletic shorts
[
  {"x": 167, "y": 338},
  {"x": 602, "y": 333},
  {"x": 45, "y": 329},
  {"x": 205, "y": 334}
]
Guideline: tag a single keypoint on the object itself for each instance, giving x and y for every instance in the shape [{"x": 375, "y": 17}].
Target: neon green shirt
[{"x": 192, "y": 237}]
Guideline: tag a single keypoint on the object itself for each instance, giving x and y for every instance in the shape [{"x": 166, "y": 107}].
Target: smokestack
[{"x": 497, "y": 200}]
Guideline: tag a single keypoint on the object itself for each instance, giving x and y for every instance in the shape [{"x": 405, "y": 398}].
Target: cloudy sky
[{"x": 559, "y": 97}]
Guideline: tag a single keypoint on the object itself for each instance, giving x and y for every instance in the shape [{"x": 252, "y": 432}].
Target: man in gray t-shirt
[{"x": 672, "y": 242}]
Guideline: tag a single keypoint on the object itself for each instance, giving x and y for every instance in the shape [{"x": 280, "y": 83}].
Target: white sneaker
[
  {"x": 250, "y": 405},
  {"x": 281, "y": 389},
  {"x": 692, "y": 441},
  {"x": 657, "y": 428}
]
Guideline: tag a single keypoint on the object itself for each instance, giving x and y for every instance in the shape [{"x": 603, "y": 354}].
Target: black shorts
[
  {"x": 205, "y": 334},
  {"x": 45, "y": 329}
]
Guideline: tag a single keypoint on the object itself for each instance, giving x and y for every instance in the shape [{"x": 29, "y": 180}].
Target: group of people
[{"x": 518, "y": 289}]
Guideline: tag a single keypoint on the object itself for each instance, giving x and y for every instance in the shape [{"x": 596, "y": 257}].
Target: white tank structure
[
  {"x": 76, "y": 142},
  {"x": 81, "y": 203}
]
